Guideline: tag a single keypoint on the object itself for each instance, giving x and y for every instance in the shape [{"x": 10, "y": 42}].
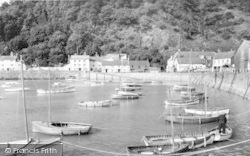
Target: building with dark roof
[
  {"x": 242, "y": 57},
  {"x": 115, "y": 66}
]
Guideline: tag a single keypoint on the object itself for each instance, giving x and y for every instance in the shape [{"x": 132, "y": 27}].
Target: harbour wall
[{"x": 236, "y": 83}]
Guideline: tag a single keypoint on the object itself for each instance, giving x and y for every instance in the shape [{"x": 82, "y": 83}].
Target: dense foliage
[{"x": 49, "y": 31}]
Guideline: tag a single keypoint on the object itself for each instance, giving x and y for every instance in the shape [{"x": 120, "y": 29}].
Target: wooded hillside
[{"x": 49, "y": 31}]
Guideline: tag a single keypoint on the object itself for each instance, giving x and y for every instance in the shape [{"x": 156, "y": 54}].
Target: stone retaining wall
[{"x": 237, "y": 83}]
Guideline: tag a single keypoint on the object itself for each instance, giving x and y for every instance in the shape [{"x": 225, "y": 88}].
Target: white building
[
  {"x": 115, "y": 66},
  {"x": 79, "y": 63},
  {"x": 184, "y": 64},
  {"x": 223, "y": 59},
  {"x": 198, "y": 59},
  {"x": 10, "y": 63}
]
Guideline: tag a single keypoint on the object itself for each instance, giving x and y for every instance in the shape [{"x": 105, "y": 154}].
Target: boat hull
[
  {"x": 221, "y": 136},
  {"x": 61, "y": 128},
  {"x": 56, "y": 90},
  {"x": 157, "y": 149},
  {"x": 182, "y": 102},
  {"x": 183, "y": 88},
  {"x": 104, "y": 103},
  {"x": 124, "y": 97},
  {"x": 194, "y": 140},
  {"x": 16, "y": 89},
  {"x": 191, "y": 119},
  {"x": 212, "y": 112}
]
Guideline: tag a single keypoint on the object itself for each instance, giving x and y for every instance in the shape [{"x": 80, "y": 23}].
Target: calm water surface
[{"x": 121, "y": 125}]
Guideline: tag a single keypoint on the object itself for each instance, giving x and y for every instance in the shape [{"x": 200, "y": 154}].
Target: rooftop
[
  {"x": 10, "y": 58},
  {"x": 223, "y": 55},
  {"x": 115, "y": 63},
  {"x": 79, "y": 57},
  {"x": 141, "y": 62},
  {"x": 191, "y": 61}
]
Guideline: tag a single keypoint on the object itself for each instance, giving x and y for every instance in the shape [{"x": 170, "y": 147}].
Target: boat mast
[
  {"x": 189, "y": 88},
  {"x": 49, "y": 114},
  {"x": 24, "y": 102},
  {"x": 205, "y": 99},
  {"x": 172, "y": 123}
]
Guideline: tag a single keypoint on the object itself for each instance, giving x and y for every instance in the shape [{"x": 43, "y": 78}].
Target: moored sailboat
[
  {"x": 59, "y": 128},
  {"x": 29, "y": 143}
]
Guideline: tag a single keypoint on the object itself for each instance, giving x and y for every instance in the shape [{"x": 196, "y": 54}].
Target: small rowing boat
[
  {"x": 158, "y": 149},
  {"x": 124, "y": 97},
  {"x": 191, "y": 119},
  {"x": 215, "y": 111},
  {"x": 182, "y": 102},
  {"x": 57, "y": 90},
  {"x": 103, "y": 103}
]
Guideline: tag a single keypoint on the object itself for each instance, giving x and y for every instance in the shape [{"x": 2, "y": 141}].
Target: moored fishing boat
[
  {"x": 215, "y": 111},
  {"x": 182, "y": 102},
  {"x": 9, "y": 84},
  {"x": 183, "y": 87},
  {"x": 56, "y": 90},
  {"x": 158, "y": 149},
  {"x": 124, "y": 97},
  {"x": 125, "y": 93},
  {"x": 95, "y": 84},
  {"x": 125, "y": 88},
  {"x": 16, "y": 89},
  {"x": 129, "y": 92},
  {"x": 186, "y": 95},
  {"x": 103, "y": 103},
  {"x": 61, "y": 128},
  {"x": 191, "y": 119},
  {"x": 131, "y": 84},
  {"x": 221, "y": 136},
  {"x": 59, "y": 84},
  {"x": 195, "y": 140}
]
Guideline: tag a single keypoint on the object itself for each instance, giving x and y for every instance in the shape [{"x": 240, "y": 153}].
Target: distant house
[
  {"x": 192, "y": 64},
  {"x": 196, "y": 59},
  {"x": 96, "y": 64},
  {"x": 79, "y": 63},
  {"x": 10, "y": 63},
  {"x": 115, "y": 66},
  {"x": 139, "y": 66},
  {"x": 222, "y": 60},
  {"x": 242, "y": 57}
]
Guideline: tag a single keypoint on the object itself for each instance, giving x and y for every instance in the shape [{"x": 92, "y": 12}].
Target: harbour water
[{"x": 121, "y": 125}]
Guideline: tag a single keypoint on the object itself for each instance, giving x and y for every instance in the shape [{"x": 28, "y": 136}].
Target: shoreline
[{"x": 237, "y": 83}]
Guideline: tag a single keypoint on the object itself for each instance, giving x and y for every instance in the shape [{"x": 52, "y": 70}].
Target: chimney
[
  {"x": 219, "y": 51},
  {"x": 11, "y": 53},
  {"x": 96, "y": 54},
  {"x": 84, "y": 53}
]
